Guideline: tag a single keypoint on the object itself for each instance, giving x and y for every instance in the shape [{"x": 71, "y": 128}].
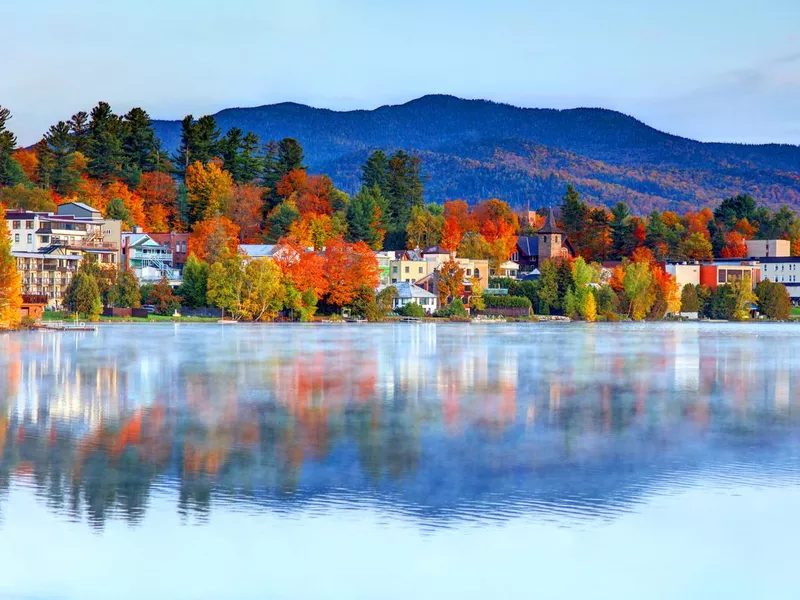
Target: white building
[
  {"x": 408, "y": 293},
  {"x": 769, "y": 248}
]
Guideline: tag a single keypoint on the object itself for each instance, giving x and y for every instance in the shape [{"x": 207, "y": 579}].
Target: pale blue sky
[{"x": 724, "y": 70}]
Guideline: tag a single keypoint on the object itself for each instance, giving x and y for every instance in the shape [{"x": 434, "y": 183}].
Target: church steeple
[
  {"x": 550, "y": 238},
  {"x": 550, "y": 225}
]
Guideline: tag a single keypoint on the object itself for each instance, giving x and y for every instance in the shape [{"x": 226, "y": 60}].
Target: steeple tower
[{"x": 550, "y": 237}]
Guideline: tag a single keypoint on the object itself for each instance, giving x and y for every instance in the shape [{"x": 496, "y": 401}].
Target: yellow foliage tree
[
  {"x": 590, "y": 308},
  {"x": 10, "y": 281},
  {"x": 209, "y": 189}
]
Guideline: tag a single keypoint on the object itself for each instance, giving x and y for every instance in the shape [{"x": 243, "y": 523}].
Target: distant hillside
[{"x": 475, "y": 149}]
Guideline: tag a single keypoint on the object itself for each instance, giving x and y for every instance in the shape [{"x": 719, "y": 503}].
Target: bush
[
  {"x": 690, "y": 302},
  {"x": 774, "y": 301},
  {"x": 507, "y": 302},
  {"x": 455, "y": 309},
  {"x": 502, "y": 282},
  {"x": 412, "y": 309}
]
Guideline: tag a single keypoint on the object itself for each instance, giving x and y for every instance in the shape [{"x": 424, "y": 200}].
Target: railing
[{"x": 81, "y": 244}]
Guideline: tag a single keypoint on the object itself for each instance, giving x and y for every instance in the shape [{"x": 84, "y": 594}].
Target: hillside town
[{"x": 102, "y": 222}]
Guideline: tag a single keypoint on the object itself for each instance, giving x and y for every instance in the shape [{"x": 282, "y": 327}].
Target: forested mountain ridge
[{"x": 475, "y": 149}]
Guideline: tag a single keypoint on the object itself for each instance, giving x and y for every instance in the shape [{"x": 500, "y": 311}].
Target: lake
[{"x": 401, "y": 461}]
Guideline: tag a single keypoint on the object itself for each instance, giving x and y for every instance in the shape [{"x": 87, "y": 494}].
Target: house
[
  {"x": 33, "y": 306},
  {"x": 149, "y": 260},
  {"x": 254, "y": 251},
  {"x": 549, "y": 243},
  {"x": 408, "y": 293},
  {"x": 508, "y": 269},
  {"x": 785, "y": 270},
  {"x": 177, "y": 243},
  {"x": 684, "y": 273},
  {"x": 720, "y": 273}
]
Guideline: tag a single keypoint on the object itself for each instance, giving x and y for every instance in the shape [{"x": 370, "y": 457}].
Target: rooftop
[
  {"x": 550, "y": 225},
  {"x": 408, "y": 290},
  {"x": 258, "y": 250}
]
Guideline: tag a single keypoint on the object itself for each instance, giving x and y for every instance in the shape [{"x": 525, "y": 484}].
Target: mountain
[{"x": 476, "y": 149}]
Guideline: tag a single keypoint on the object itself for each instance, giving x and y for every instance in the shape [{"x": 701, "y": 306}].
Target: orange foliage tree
[
  {"x": 246, "y": 211},
  {"x": 132, "y": 201},
  {"x": 451, "y": 234},
  {"x": 458, "y": 210},
  {"x": 10, "y": 281},
  {"x": 304, "y": 269},
  {"x": 312, "y": 195},
  {"x": 735, "y": 246},
  {"x": 209, "y": 189},
  {"x": 348, "y": 269},
  {"x": 313, "y": 231},
  {"x": 211, "y": 238},
  {"x": 160, "y": 197},
  {"x": 29, "y": 162}
]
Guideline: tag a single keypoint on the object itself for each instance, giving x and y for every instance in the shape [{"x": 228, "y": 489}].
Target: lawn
[{"x": 60, "y": 316}]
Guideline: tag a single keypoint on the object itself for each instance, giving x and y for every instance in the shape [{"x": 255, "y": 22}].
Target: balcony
[{"x": 83, "y": 244}]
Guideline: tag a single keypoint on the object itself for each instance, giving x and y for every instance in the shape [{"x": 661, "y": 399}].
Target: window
[
  {"x": 45, "y": 239},
  {"x": 28, "y": 224},
  {"x": 16, "y": 238},
  {"x": 420, "y": 269},
  {"x": 108, "y": 232},
  {"x": 407, "y": 269},
  {"x": 30, "y": 238},
  {"x": 469, "y": 272},
  {"x": 15, "y": 224},
  {"x": 394, "y": 269}
]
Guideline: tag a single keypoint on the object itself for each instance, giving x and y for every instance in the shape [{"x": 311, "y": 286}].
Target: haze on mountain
[{"x": 476, "y": 149}]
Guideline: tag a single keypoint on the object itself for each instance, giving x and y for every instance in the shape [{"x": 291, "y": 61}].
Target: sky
[{"x": 716, "y": 70}]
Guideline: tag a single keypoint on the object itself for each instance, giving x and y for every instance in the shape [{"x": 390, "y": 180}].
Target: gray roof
[
  {"x": 550, "y": 225},
  {"x": 258, "y": 250},
  {"x": 82, "y": 205},
  {"x": 46, "y": 255},
  {"x": 409, "y": 290}
]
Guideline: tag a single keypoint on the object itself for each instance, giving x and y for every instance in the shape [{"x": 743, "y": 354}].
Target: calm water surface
[{"x": 401, "y": 461}]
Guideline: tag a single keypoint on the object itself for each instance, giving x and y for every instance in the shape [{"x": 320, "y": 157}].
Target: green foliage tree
[
  {"x": 116, "y": 209},
  {"x": 105, "y": 145},
  {"x": 657, "y": 236},
  {"x": 141, "y": 149},
  {"x": 456, "y": 309},
  {"x": 375, "y": 170},
  {"x": 226, "y": 280},
  {"x": 547, "y": 288},
  {"x": 690, "y": 302},
  {"x": 364, "y": 217},
  {"x": 404, "y": 190},
  {"x": 280, "y": 220},
  {"x": 621, "y": 231},
  {"x": 732, "y": 210},
  {"x": 722, "y": 303},
  {"x": 195, "y": 282},
  {"x": 11, "y": 172},
  {"x": 638, "y": 288},
  {"x": 605, "y": 299},
  {"x": 124, "y": 291},
  {"x": 575, "y": 216},
  {"x": 82, "y": 295},
  {"x": 27, "y": 198},
  {"x": 385, "y": 299},
  {"x": 79, "y": 132},
  {"x": 56, "y": 160},
  {"x": 199, "y": 142},
  {"x": 774, "y": 301}
]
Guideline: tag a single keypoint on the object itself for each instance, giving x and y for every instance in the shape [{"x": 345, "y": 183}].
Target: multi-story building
[
  {"x": 49, "y": 247},
  {"x": 149, "y": 260},
  {"x": 769, "y": 248},
  {"x": 178, "y": 243}
]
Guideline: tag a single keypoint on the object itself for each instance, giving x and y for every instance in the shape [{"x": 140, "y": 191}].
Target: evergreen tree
[
  {"x": 251, "y": 162},
  {"x": 140, "y": 147},
  {"x": 11, "y": 172},
  {"x": 82, "y": 295},
  {"x": 195, "y": 282},
  {"x": 105, "y": 146},
  {"x": 575, "y": 216},
  {"x": 124, "y": 291},
  {"x": 280, "y": 158},
  {"x": 181, "y": 159},
  {"x": 116, "y": 209},
  {"x": 689, "y": 299},
  {"x": 620, "y": 230},
  {"x": 363, "y": 217},
  {"x": 290, "y": 156},
  {"x": 79, "y": 129},
  {"x": 59, "y": 157},
  {"x": 46, "y": 164},
  {"x": 732, "y": 210},
  {"x": 657, "y": 236},
  {"x": 547, "y": 288},
  {"x": 199, "y": 141},
  {"x": 280, "y": 219},
  {"x": 375, "y": 171}
]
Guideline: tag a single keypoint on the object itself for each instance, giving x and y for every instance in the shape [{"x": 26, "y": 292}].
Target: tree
[
  {"x": 246, "y": 212},
  {"x": 589, "y": 311},
  {"x": 27, "y": 198},
  {"x": 690, "y": 303},
  {"x": 744, "y": 297},
  {"x": 773, "y": 300},
  {"x": 404, "y": 190},
  {"x": 451, "y": 234},
  {"x": 212, "y": 238},
  {"x": 474, "y": 246},
  {"x": 195, "y": 282},
  {"x": 449, "y": 281},
  {"x": 199, "y": 142},
  {"x": 280, "y": 219},
  {"x": 456, "y": 309},
  {"x": 697, "y": 247},
  {"x": 209, "y": 190},
  {"x": 160, "y": 199},
  {"x": 722, "y": 303},
  {"x": 264, "y": 293},
  {"x": 412, "y": 309},
  {"x": 226, "y": 282},
  {"x": 548, "y": 287},
  {"x": 667, "y": 294},
  {"x": 10, "y": 280},
  {"x": 82, "y": 295},
  {"x": 733, "y": 209},
  {"x": 105, "y": 145},
  {"x": 56, "y": 160},
  {"x": 621, "y": 231},
  {"x": 79, "y": 132},
  {"x": 11, "y": 172},
  {"x": 575, "y": 216},
  {"x": 639, "y": 292},
  {"x": 374, "y": 171},
  {"x": 163, "y": 298},
  {"x": 348, "y": 267},
  {"x": 116, "y": 210},
  {"x": 304, "y": 271},
  {"x": 229, "y": 151},
  {"x": 124, "y": 292},
  {"x": 385, "y": 299},
  {"x": 424, "y": 229},
  {"x": 313, "y": 231},
  {"x": 140, "y": 148},
  {"x": 364, "y": 217},
  {"x": 657, "y": 236},
  {"x": 29, "y": 163}
]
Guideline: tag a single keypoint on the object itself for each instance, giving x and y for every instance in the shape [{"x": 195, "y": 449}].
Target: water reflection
[{"x": 439, "y": 424}]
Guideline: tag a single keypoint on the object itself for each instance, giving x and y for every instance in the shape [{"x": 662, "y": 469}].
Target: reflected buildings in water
[{"x": 431, "y": 420}]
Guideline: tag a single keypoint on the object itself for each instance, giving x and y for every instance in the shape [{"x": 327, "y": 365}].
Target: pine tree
[
  {"x": 82, "y": 295},
  {"x": 116, "y": 210},
  {"x": 11, "y": 172},
  {"x": 230, "y": 150},
  {"x": 195, "y": 282},
  {"x": 62, "y": 177},
  {"x": 620, "y": 230},
  {"x": 79, "y": 128},
  {"x": 140, "y": 147},
  {"x": 374, "y": 173},
  {"x": 252, "y": 163},
  {"x": 124, "y": 291},
  {"x": 364, "y": 218},
  {"x": 105, "y": 146},
  {"x": 575, "y": 215}
]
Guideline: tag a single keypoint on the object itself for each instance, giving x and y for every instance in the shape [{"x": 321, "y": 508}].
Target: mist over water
[{"x": 400, "y": 461}]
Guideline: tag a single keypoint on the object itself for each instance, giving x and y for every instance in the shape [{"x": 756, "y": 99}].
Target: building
[
  {"x": 785, "y": 270},
  {"x": 549, "y": 243},
  {"x": 768, "y": 248},
  {"x": 408, "y": 293},
  {"x": 178, "y": 243},
  {"x": 684, "y": 273},
  {"x": 720, "y": 273},
  {"x": 508, "y": 269},
  {"x": 48, "y": 247},
  {"x": 149, "y": 260},
  {"x": 412, "y": 266}
]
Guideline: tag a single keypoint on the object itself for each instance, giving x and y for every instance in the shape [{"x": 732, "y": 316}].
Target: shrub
[
  {"x": 773, "y": 300},
  {"x": 507, "y": 302},
  {"x": 455, "y": 309},
  {"x": 412, "y": 309}
]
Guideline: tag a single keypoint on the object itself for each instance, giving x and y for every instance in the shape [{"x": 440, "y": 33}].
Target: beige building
[
  {"x": 768, "y": 248},
  {"x": 684, "y": 274}
]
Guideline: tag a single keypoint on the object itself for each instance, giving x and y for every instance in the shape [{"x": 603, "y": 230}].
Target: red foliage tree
[{"x": 348, "y": 269}]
